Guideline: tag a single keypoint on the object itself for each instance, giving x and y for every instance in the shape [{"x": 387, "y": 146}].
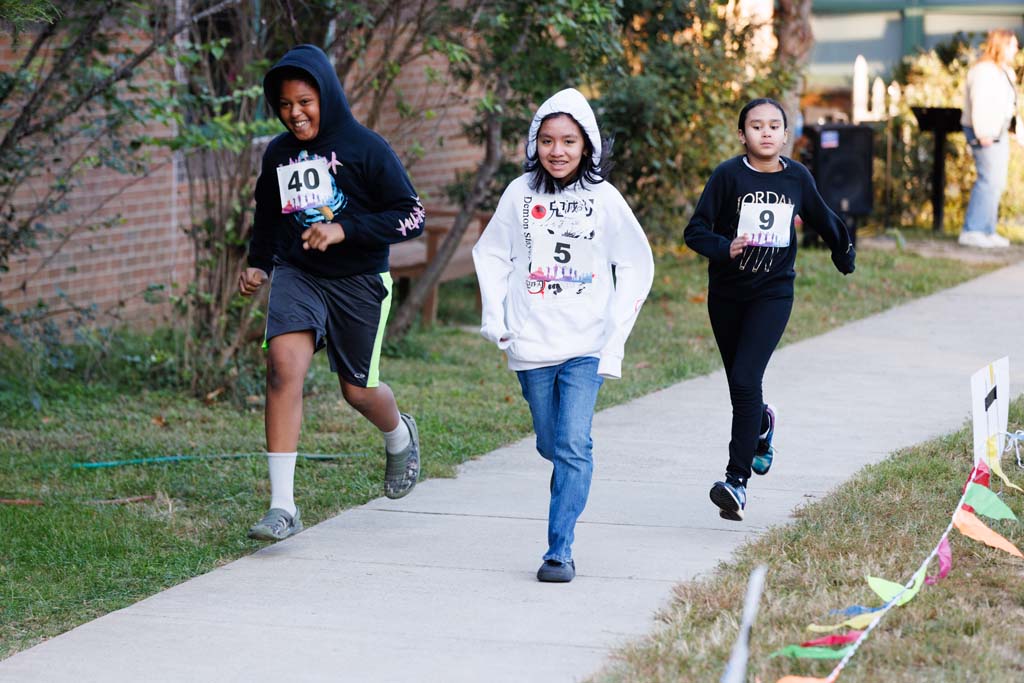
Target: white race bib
[
  {"x": 562, "y": 253},
  {"x": 304, "y": 185},
  {"x": 768, "y": 225}
]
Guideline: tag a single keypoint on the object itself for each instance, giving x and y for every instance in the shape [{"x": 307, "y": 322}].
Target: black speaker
[{"x": 839, "y": 157}]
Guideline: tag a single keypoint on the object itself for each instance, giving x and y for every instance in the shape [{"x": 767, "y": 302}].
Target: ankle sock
[
  {"x": 282, "y": 480},
  {"x": 398, "y": 438}
]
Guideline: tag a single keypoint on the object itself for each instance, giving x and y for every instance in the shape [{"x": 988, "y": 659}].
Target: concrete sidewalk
[{"x": 440, "y": 586}]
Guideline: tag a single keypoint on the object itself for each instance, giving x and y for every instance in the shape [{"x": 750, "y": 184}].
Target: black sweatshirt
[
  {"x": 760, "y": 271},
  {"x": 377, "y": 204}
]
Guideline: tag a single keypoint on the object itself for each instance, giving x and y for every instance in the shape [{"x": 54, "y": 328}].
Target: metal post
[{"x": 939, "y": 180}]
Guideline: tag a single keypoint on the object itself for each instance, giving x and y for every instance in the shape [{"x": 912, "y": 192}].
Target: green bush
[
  {"x": 671, "y": 104},
  {"x": 936, "y": 79}
]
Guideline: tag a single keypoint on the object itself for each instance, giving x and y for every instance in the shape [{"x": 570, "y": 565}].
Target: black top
[
  {"x": 376, "y": 203},
  {"x": 761, "y": 270}
]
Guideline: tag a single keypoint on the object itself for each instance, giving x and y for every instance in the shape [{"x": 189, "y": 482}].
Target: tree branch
[{"x": 21, "y": 129}]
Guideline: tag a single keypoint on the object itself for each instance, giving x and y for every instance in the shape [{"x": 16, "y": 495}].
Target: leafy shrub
[
  {"x": 936, "y": 79},
  {"x": 672, "y": 103}
]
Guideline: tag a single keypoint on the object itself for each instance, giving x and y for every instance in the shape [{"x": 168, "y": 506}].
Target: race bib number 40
[
  {"x": 767, "y": 225},
  {"x": 304, "y": 185}
]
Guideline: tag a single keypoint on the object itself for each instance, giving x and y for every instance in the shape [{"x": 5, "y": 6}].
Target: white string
[{"x": 1014, "y": 440}]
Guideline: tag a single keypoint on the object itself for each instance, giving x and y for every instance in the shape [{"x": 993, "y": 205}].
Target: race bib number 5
[
  {"x": 767, "y": 225},
  {"x": 304, "y": 185},
  {"x": 561, "y": 264}
]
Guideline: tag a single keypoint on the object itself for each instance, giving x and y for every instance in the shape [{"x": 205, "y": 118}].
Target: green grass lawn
[
  {"x": 884, "y": 522},
  {"x": 72, "y": 559}
]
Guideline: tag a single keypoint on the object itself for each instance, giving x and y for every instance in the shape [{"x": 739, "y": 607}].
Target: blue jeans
[
  {"x": 561, "y": 399},
  {"x": 992, "y": 164}
]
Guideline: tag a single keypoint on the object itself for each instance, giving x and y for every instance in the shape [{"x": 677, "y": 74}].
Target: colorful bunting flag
[
  {"x": 811, "y": 652},
  {"x": 972, "y": 527},
  {"x": 992, "y": 456},
  {"x": 829, "y": 641},
  {"x": 979, "y": 475},
  {"x": 857, "y": 622},
  {"x": 987, "y": 503},
  {"x": 854, "y": 610},
  {"x": 945, "y": 555},
  {"x": 889, "y": 590}
]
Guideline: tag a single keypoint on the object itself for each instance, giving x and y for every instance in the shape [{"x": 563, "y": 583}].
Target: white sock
[
  {"x": 282, "y": 480},
  {"x": 398, "y": 438}
]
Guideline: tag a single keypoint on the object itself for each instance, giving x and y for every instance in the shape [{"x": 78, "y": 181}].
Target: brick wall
[
  {"x": 94, "y": 265},
  {"x": 148, "y": 246}
]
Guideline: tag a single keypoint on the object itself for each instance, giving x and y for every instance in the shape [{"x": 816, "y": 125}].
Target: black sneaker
[
  {"x": 553, "y": 571},
  {"x": 403, "y": 469},
  {"x": 765, "y": 451},
  {"x": 731, "y": 498}
]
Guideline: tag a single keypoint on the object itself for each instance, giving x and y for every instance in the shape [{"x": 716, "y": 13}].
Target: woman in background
[{"x": 990, "y": 107}]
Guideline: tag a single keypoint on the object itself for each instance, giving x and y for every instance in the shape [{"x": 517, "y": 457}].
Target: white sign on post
[
  {"x": 304, "y": 185},
  {"x": 767, "y": 225},
  {"x": 990, "y": 409}
]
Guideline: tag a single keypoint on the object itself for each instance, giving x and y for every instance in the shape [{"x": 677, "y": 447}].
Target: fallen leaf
[
  {"x": 699, "y": 298},
  {"x": 212, "y": 396},
  {"x": 641, "y": 365},
  {"x": 159, "y": 421}
]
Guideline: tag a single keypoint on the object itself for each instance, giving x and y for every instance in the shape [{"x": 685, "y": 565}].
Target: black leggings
[{"x": 747, "y": 333}]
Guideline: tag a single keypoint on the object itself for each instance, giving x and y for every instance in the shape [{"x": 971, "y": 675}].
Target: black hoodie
[{"x": 378, "y": 204}]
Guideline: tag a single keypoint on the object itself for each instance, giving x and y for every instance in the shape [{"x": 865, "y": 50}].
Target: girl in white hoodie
[{"x": 564, "y": 267}]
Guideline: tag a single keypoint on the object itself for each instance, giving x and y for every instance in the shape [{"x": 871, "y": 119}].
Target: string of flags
[{"x": 990, "y": 411}]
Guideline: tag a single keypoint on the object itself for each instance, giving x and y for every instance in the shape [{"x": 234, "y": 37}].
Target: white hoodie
[
  {"x": 989, "y": 99},
  {"x": 544, "y": 264}
]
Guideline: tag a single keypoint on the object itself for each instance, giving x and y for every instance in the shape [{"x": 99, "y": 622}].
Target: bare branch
[{"x": 21, "y": 129}]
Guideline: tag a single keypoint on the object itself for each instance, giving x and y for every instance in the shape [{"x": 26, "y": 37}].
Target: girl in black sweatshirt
[{"x": 744, "y": 225}]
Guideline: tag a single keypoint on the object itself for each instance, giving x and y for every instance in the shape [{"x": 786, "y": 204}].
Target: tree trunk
[
  {"x": 406, "y": 314},
  {"x": 795, "y": 38}
]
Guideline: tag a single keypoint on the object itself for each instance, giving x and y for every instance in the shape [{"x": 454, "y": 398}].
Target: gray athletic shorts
[{"x": 347, "y": 316}]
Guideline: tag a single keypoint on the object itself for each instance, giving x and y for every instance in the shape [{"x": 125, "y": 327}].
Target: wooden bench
[{"x": 409, "y": 259}]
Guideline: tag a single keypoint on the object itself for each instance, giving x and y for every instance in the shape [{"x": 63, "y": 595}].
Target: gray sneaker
[
  {"x": 403, "y": 469},
  {"x": 276, "y": 525}
]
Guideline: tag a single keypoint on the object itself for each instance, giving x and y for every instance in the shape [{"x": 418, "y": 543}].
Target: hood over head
[
  {"x": 334, "y": 109},
  {"x": 572, "y": 102}
]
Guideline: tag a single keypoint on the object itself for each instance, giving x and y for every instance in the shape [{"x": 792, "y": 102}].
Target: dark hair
[
  {"x": 755, "y": 103},
  {"x": 586, "y": 172},
  {"x": 290, "y": 73}
]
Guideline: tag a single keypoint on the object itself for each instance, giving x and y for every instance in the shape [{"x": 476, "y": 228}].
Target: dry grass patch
[{"x": 884, "y": 522}]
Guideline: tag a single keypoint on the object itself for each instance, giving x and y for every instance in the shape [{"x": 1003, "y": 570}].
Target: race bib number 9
[
  {"x": 767, "y": 225},
  {"x": 304, "y": 185}
]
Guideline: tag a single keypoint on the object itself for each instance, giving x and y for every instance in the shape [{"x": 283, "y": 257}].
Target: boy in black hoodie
[{"x": 331, "y": 197}]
